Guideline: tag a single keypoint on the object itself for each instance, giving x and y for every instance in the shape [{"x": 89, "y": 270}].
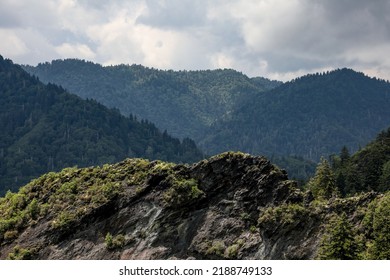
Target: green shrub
[
  {"x": 68, "y": 188},
  {"x": 108, "y": 240},
  {"x": 63, "y": 220},
  {"x": 11, "y": 234},
  {"x": 245, "y": 217},
  {"x": 232, "y": 251},
  {"x": 162, "y": 167},
  {"x": 19, "y": 253},
  {"x": 253, "y": 229},
  {"x": 33, "y": 209},
  {"x": 217, "y": 248},
  {"x": 182, "y": 191},
  {"x": 114, "y": 242},
  {"x": 285, "y": 214},
  {"x": 103, "y": 193}
]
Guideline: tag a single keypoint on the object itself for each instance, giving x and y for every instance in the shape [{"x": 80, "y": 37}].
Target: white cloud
[
  {"x": 12, "y": 45},
  {"x": 275, "y": 38},
  {"x": 81, "y": 51},
  {"x": 117, "y": 40},
  {"x": 221, "y": 60}
]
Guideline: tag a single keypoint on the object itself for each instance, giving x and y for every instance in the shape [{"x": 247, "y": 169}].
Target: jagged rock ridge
[{"x": 231, "y": 206}]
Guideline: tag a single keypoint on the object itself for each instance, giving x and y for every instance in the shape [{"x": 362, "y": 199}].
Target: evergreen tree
[
  {"x": 344, "y": 155},
  {"x": 323, "y": 184},
  {"x": 340, "y": 183},
  {"x": 380, "y": 247},
  {"x": 366, "y": 170},
  {"x": 338, "y": 242},
  {"x": 384, "y": 180}
]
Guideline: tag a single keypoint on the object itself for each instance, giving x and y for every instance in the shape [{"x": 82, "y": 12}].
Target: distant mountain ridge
[
  {"x": 312, "y": 116},
  {"x": 185, "y": 103},
  {"x": 44, "y": 128}
]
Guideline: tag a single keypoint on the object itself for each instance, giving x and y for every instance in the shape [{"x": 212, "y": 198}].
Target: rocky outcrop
[{"x": 231, "y": 206}]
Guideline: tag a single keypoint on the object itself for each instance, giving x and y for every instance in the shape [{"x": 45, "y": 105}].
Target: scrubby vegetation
[
  {"x": 182, "y": 192},
  {"x": 114, "y": 242},
  {"x": 19, "y": 253},
  {"x": 284, "y": 215},
  {"x": 69, "y": 196},
  {"x": 67, "y": 202},
  {"x": 64, "y": 198}
]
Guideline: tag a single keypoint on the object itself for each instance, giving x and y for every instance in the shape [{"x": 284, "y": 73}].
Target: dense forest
[
  {"x": 309, "y": 117},
  {"x": 44, "y": 128},
  {"x": 312, "y": 116},
  {"x": 185, "y": 103},
  {"x": 366, "y": 170}
]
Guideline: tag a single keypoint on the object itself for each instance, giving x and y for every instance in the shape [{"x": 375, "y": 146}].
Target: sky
[{"x": 277, "y": 39}]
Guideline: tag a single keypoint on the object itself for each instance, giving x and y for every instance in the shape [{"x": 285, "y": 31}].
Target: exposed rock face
[{"x": 232, "y": 206}]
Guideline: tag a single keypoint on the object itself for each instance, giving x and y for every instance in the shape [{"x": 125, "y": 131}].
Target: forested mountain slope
[
  {"x": 222, "y": 110},
  {"x": 44, "y": 128},
  {"x": 312, "y": 116},
  {"x": 184, "y": 103},
  {"x": 366, "y": 170}
]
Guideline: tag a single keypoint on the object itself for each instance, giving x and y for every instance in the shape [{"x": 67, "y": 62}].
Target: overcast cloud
[{"x": 277, "y": 39}]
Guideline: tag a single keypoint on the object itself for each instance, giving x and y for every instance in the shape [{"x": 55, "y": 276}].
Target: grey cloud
[
  {"x": 325, "y": 32},
  {"x": 96, "y": 4},
  {"x": 292, "y": 63},
  {"x": 58, "y": 36},
  {"x": 338, "y": 8},
  {"x": 358, "y": 19},
  {"x": 175, "y": 14},
  {"x": 8, "y": 19},
  {"x": 257, "y": 37},
  {"x": 34, "y": 14}
]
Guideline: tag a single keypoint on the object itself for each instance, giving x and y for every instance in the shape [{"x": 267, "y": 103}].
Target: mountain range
[
  {"x": 308, "y": 117},
  {"x": 312, "y": 116},
  {"x": 184, "y": 103}
]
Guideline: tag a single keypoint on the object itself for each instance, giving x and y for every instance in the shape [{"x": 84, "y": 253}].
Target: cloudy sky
[{"x": 278, "y": 39}]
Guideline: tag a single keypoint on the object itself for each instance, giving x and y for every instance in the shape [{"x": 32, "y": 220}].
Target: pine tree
[
  {"x": 384, "y": 180},
  {"x": 380, "y": 248},
  {"x": 323, "y": 184},
  {"x": 344, "y": 155},
  {"x": 340, "y": 183},
  {"x": 338, "y": 242}
]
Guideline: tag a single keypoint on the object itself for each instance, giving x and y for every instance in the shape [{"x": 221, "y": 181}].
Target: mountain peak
[{"x": 311, "y": 116}]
